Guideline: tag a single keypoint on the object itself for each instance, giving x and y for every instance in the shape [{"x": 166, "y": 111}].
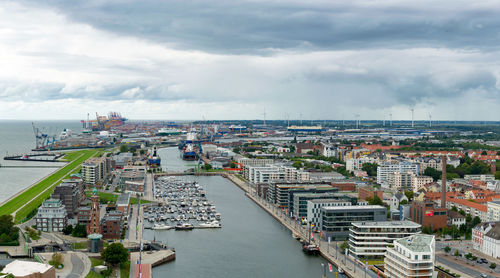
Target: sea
[
  {"x": 250, "y": 243},
  {"x": 18, "y": 137}
]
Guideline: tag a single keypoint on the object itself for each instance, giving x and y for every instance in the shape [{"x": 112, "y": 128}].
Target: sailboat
[{"x": 308, "y": 247}]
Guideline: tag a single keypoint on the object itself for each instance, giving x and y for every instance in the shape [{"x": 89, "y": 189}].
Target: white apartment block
[
  {"x": 371, "y": 239},
  {"x": 478, "y": 234},
  {"x": 481, "y": 177},
  {"x": 275, "y": 173},
  {"x": 411, "y": 257},
  {"x": 330, "y": 151},
  {"x": 314, "y": 208},
  {"x": 385, "y": 169},
  {"x": 493, "y": 211},
  {"x": 486, "y": 238},
  {"x": 352, "y": 164}
]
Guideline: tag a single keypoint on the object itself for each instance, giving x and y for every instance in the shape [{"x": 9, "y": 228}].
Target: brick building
[
  {"x": 428, "y": 215},
  {"x": 365, "y": 193}
]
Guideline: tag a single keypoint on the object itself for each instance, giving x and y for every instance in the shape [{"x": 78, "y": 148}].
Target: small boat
[
  {"x": 161, "y": 227},
  {"x": 295, "y": 236},
  {"x": 217, "y": 216},
  {"x": 213, "y": 224},
  {"x": 185, "y": 226},
  {"x": 341, "y": 271},
  {"x": 311, "y": 249}
]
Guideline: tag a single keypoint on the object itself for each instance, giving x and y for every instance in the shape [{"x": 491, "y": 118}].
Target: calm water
[
  {"x": 17, "y": 137},
  {"x": 250, "y": 244}
]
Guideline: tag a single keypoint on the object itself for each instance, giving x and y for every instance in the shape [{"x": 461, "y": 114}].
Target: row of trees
[{"x": 468, "y": 167}]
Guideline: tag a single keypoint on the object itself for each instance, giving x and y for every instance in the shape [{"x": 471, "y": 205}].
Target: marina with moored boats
[{"x": 183, "y": 206}]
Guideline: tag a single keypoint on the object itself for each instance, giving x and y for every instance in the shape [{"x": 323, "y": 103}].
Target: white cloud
[{"x": 62, "y": 68}]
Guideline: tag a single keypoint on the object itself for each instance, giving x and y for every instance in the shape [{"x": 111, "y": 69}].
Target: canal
[{"x": 250, "y": 244}]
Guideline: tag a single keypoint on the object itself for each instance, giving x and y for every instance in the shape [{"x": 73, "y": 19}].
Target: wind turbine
[
  {"x": 430, "y": 120},
  {"x": 390, "y": 116},
  {"x": 357, "y": 121}
]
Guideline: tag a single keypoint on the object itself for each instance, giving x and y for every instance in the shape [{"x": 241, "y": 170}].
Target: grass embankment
[
  {"x": 28, "y": 196},
  {"x": 79, "y": 245},
  {"x": 105, "y": 198}
]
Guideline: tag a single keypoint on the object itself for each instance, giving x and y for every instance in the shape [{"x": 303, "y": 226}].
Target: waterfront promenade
[{"x": 331, "y": 251}]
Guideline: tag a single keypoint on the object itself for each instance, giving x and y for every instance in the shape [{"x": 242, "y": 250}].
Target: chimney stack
[{"x": 443, "y": 182}]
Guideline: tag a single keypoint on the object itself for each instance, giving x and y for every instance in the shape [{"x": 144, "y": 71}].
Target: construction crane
[{"x": 40, "y": 138}]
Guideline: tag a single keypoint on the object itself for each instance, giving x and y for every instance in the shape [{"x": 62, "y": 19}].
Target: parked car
[
  {"x": 484, "y": 260},
  {"x": 483, "y": 275}
]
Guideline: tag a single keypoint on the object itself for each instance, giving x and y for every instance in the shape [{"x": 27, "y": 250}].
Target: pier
[{"x": 35, "y": 157}]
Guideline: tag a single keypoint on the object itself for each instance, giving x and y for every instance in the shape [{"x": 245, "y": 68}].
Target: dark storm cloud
[{"x": 253, "y": 26}]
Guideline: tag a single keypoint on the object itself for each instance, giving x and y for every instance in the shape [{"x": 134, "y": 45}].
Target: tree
[
  {"x": 375, "y": 201},
  {"x": 476, "y": 221},
  {"x": 457, "y": 254},
  {"x": 493, "y": 266},
  {"x": 123, "y": 148},
  {"x": 344, "y": 246},
  {"x": 431, "y": 172},
  {"x": 497, "y": 175},
  {"x": 68, "y": 229},
  {"x": 57, "y": 259},
  {"x": 297, "y": 164},
  {"x": 462, "y": 212},
  {"x": 447, "y": 249},
  {"x": 8, "y": 232},
  {"x": 409, "y": 194},
  {"x": 79, "y": 231},
  {"x": 370, "y": 168},
  {"x": 454, "y": 208},
  {"x": 114, "y": 254}
]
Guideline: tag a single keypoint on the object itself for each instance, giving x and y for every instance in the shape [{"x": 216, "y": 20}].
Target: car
[
  {"x": 484, "y": 260},
  {"x": 483, "y": 275},
  {"x": 479, "y": 261}
]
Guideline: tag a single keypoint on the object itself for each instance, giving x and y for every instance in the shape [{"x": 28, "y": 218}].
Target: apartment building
[
  {"x": 371, "y": 239},
  {"x": 472, "y": 208},
  {"x": 95, "y": 169},
  {"x": 493, "y": 209},
  {"x": 411, "y": 257},
  {"x": 336, "y": 221},
  {"x": 407, "y": 180},
  {"x": 428, "y": 215},
  {"x": 279, "y": 192},
  {"x": 69, "y": 194},
  {"x": 314, "y": 208},
  {"x": 385, "y": 169},
  {"x": 51, "y": 216}
]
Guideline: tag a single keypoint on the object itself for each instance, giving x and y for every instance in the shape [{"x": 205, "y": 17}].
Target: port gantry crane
[{"x": 41, "y": 138}]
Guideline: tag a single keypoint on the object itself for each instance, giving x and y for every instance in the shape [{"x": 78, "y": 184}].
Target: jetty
[{"x": 39, "y": 157}]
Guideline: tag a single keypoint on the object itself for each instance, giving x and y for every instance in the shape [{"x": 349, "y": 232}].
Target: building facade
[
  {"x": 428, "y": 215},
  {"x": 385, "y": 169},
  {"x": 51, "y": 216},
  {"x": 411, "y": 257},
  {"x": 69, "y": 194},
  {"x": 370, "y": 239},
  {"x": 314, "y": 208},
  {"x": 336, "y": 221}
]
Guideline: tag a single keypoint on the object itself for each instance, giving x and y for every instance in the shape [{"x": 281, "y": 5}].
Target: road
[
  {"x": 78, "y": 267},
  {"x": 461, "y": 263}
]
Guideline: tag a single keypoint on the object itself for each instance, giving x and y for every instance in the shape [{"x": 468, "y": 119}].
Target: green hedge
[{"x": 10, "y": 243}]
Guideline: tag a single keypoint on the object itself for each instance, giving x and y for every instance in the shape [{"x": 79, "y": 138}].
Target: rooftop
[
  {"x": 123, "y": 199},
  {"x": 417, "y": 243},
  {"x": 328, "y": 201},
  {"x": 395, "y": 224},
  {"x": 355, "y": 207},
  {"x": 20, "y": 268}
]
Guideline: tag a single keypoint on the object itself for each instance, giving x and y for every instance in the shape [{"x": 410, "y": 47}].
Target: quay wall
[{"x": 276, "y": 214}]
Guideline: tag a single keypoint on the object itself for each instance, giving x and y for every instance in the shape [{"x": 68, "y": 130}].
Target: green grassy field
[
  {"x": 111, "y": 198},
  {"x": 28, "y": 197}
]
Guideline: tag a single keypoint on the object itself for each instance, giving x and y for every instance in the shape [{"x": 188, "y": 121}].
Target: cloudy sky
[{"x": 315, "y": 59}]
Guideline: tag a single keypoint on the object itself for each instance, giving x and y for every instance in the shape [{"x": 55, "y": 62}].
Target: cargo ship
[
  {"x": 190, "y": 151},
  {"x": 154, "y": 159}
]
